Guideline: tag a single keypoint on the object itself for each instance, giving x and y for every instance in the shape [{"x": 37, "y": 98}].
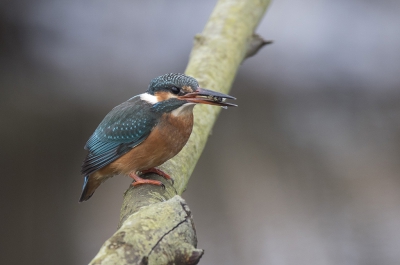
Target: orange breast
[{"x": 164, "y": 142}]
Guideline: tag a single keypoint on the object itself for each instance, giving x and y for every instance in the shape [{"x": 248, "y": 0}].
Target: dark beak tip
[{"x": 207, "y": 92}]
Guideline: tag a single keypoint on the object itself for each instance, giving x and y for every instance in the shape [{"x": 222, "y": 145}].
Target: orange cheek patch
[
  {"x": 161, "y": 96},
  {"x": 187, "y": 89}
]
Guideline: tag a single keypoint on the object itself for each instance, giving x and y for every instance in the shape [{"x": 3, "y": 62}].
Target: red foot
[
  {"x": 140, "y": 181},
  {"x": 159, "y": 172}
]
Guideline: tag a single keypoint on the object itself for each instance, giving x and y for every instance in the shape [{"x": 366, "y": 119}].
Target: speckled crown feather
[{"x": 169, "y": 80}]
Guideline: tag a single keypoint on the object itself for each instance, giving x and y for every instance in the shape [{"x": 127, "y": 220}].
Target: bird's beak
[{"x": 205, "y": 96}]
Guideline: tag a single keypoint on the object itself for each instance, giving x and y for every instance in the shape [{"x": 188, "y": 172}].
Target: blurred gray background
[{"x": 304, "y": 171}]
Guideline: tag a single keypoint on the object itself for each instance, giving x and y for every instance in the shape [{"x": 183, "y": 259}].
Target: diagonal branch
[{"x": 156, "y": 225}]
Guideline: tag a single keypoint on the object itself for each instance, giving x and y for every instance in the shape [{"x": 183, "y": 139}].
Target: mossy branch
[{"x": 155, "y": 224}]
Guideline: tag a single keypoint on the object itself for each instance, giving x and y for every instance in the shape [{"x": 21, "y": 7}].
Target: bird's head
[{"x": 172, "y": 91}]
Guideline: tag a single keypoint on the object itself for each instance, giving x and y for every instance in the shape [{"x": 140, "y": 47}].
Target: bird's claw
[
  {"x": 160, "y": 173},
  {"x": 140, "y": 181}
]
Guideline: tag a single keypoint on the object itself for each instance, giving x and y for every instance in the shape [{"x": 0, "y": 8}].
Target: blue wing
[{"x": 126, "y": 126}]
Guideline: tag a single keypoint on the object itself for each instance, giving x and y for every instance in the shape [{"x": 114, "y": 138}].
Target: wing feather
[{"x": 126, "y": 126}]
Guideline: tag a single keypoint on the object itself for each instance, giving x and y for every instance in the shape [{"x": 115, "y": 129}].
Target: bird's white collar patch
[
  {"x": 184, "y": 109},
  {"x": 149, "y": 98}
]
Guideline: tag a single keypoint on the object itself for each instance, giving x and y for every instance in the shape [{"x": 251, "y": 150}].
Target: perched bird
[{"x": 145, "y": 131}]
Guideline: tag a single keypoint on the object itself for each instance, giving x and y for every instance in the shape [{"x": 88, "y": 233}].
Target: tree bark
[{"x": 156, "y": 225}]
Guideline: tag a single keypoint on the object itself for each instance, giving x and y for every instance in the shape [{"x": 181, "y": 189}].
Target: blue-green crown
[{"x": 169, "y": 80}]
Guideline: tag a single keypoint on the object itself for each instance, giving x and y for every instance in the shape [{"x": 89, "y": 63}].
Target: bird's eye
[{"x": 175, "y": 90}]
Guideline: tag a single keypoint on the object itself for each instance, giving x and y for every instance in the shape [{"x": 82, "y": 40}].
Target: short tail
[{"x": 89, "y": 186}]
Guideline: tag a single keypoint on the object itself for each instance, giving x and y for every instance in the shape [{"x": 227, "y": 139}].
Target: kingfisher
[{"x": 145, "y": 131}]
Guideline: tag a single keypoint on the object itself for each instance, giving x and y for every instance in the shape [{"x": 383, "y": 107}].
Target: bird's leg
[
  {"x": 141, "y": 181},
  {"x": 158, "y": 172}
]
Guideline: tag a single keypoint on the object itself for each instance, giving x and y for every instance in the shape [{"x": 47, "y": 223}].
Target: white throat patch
[
  {"x": 183, "y": 110},
  {"x": 149, "y": 98}
]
